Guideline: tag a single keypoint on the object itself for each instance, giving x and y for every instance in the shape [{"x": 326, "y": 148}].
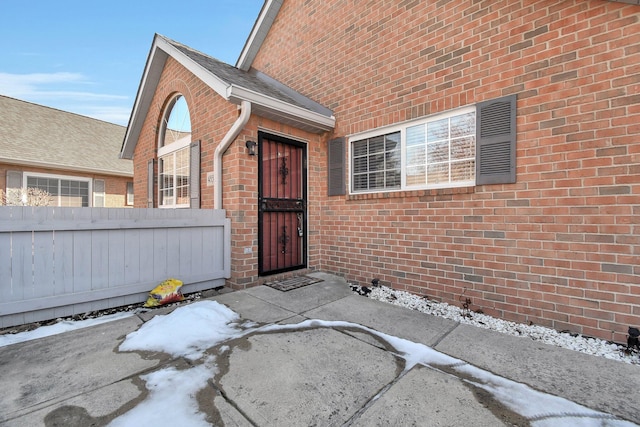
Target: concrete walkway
[{"x": 330, "y": 374}]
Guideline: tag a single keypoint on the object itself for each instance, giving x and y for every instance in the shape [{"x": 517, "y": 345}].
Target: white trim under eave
[
  {"x": 258, "y": 33},
  {"x": 237, "y": 94},
  {"x": 56, "y": 166},
  {"x": 151, "y": 75},
  {"x": 284, "y": 109},
  {"x": 215, "y": 83}
]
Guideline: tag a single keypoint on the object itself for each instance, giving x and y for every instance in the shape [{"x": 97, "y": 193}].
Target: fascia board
[
  {"x": 280, "y": 108},
  {"x": 258, "y": 33},
  {"x": 214, "y": 82},
  {"x": 148, "y": 83},
  {"x": 69, "y": 168},
  {"x": 160, "y": 51}
]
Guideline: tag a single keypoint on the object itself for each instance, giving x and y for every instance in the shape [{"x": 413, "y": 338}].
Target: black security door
[{"x": 282, "y": 194}]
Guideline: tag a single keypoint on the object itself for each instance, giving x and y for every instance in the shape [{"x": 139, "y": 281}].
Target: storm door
[{"x": 282, "y": 204}]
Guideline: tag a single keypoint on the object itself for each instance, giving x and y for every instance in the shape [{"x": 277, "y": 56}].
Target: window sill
[{"x": 429, "y": 193}]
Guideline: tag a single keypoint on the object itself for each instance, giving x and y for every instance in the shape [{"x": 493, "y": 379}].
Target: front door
[{"x": 282, "y": 204}]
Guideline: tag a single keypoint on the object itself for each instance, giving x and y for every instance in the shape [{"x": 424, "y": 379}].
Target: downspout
[{"x": 241, "y": 121}]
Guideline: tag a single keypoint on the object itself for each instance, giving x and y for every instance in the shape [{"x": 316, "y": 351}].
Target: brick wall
[
  {"x": 240, "y": 199},
  {"x": 561, "y": 247},
  {"x": 211, "y": 118}
]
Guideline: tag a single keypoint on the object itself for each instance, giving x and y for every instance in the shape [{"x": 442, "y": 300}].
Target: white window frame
[
  {"x": 402, "y": 128},
  {"x": 102, "y": 194},
  {"x": 163, "y": 152},
  {"x": 129, "y": 196},
  {"x": 59, "y": 178}
]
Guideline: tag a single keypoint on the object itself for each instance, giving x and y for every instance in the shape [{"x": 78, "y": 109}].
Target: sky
[
  {"x": 88, "y": 57},
  {"x": 211, "y": 324}
]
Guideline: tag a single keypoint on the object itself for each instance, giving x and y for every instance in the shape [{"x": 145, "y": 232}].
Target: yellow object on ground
[{"x": 166, "y": 292}]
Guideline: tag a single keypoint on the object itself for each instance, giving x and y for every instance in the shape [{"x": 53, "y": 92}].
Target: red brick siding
[
  {"x": 211, "y": 118},
  {"x": 241, "y": 196},
  {"x": 558, "y": 248}
]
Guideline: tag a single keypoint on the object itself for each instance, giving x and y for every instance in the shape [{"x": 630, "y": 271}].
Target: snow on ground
[
  {"x": 176, "y": 389},
  {"x": 217, "y": 324},
  {"x": 58, "y": 328},
  {"x": 212, "y": 324},
  {"x": 593, "y": 346},
  {"x": 171, "y": 401}
]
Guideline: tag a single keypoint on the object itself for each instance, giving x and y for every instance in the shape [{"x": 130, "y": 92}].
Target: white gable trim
[
  {"x": 150, "y": 78},
  {"x": 258, "y": 33},
  {"x": 162, "y": 49},
  {"x": 218, "y": 85}
]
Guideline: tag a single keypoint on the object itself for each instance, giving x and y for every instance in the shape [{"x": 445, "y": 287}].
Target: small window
[
  {"x": 376, "y": 163},
  {"x": 129, "y": 200},
  {"x": 98, "y": 193},
  {"x": 441, "y": 152}
]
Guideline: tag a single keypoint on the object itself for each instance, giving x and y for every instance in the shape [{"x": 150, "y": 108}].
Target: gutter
[
  {"x": 232, "y": 133},
  {"x": 64, "y": 167},
  {"x": 305, "y": 116}
]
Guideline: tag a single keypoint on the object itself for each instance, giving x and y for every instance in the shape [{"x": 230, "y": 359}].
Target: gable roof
[
  {"x": 269, "y": 98},
  {"x": 35, "y": 135}
]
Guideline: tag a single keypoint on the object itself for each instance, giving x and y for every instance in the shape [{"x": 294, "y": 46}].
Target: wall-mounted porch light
[{"x": 251, "y": 147}]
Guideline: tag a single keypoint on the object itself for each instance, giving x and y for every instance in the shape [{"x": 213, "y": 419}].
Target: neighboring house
[
  {"x": 485, "y": 150},
  {"x": 73, "y": 158}
]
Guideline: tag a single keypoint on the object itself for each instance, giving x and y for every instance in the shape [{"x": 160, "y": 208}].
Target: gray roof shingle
[
  {"x": 268, "y": 97},
  {"x": 35, "y": 134},
  {"x": 252, "y": 80}
]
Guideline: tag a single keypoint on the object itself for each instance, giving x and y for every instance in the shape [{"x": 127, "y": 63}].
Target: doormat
[{"x": 292, "y": 283}]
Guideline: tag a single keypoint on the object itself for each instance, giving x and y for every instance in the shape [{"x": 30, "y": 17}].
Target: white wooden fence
[{"x": 57, "y": 262}]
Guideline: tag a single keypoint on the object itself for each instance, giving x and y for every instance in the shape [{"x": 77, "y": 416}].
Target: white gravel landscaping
[{"x": 588, "y": 345}]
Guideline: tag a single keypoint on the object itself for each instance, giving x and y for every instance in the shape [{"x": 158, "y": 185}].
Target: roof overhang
[
  {"x": 280, "y": 111},
  {"x": 263, "y": 105},
  {"x": 63, "y": 167},
  {"x": 259, "y": 32}
]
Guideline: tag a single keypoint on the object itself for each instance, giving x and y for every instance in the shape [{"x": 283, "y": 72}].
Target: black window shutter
[
  {"x": 496, "y": 141},
  {"x": 150, "y": 192},
  {"x": 194, "y": 174},
  {"x": 336, "y": 165}
]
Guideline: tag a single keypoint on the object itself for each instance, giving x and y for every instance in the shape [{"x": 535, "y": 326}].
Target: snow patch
[
  {"x": 171, "y": 401},
  {"x": 187, "y": 331},
  {"x": 60, "y": 327}
]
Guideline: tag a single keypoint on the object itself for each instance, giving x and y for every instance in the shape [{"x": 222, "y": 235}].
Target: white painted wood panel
[{"x": 61, "y": 261}]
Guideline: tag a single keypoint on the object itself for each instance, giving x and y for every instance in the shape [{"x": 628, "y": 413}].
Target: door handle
[{"x": 300, "y": 230}]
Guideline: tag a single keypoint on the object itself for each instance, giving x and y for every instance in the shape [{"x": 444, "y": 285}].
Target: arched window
[{"x": 174, "y": 156}]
